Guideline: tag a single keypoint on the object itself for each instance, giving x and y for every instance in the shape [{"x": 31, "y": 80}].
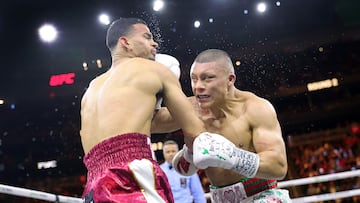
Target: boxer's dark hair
[{"x": 118, "y": 28}]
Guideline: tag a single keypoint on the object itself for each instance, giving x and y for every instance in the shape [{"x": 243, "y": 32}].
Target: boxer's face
[
  {"x": 141, "y": 42},
  {"x": 209, "y": 83},
  {"x": 169, "y": 152}
]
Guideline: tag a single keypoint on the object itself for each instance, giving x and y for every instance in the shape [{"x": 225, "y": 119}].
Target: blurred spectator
[{"x": 186, "y": 189}]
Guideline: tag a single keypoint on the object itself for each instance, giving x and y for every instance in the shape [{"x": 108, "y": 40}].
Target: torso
[
  {"x": 234, "y": 126},
  {"x": 119, "y": 101}
]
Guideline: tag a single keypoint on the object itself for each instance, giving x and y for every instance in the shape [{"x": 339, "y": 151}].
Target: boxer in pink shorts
[
  {"x": 122, "y": 169},
  {"x": 116, "y": 114}
]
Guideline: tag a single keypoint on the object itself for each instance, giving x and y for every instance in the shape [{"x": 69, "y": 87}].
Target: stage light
[
  {"x": 48, "y": 33},
  {"x": 98, "y": 63},
  {"x": 261, "y": 7},
  {"x": 85, "y": 66},
  {"x": 197, "y": 24},
  {"x": 104, "y": 19},
  {"x": 47, "y": 164},
  {"x": 158, "y": 5}
]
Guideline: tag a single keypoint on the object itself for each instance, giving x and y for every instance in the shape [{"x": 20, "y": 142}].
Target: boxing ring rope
[
  {"x": 323, "y": 178},
  {"x": 16, "y": 191},
  {"x": 319, "y": 179},
  {"x": 22, "y": 192}
]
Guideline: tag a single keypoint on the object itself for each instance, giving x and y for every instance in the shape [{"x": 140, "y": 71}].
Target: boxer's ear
[
  {"x": 123, "y": 41},
  {"x": 232, "y": 78}
]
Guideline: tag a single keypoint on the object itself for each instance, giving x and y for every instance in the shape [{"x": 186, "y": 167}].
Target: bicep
[
  {"x": 267, "y": 135},
  {"x": 268, "y": 138}
]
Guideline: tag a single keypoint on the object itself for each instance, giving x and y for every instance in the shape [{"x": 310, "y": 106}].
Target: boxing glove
[
  {"x": 182, "y": 162},
  {"x": 213, "y": 150},
  {"x": 173, "y": 64}
]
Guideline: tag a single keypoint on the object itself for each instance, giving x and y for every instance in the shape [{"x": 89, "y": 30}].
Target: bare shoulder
[
  {"x": 94, "y": 83},
  {"x": 148, "y": 65},
  {"x": 256, "y": 105},
  {"x": 252, "y": 99},
  {"x": 142, "y": 62}
]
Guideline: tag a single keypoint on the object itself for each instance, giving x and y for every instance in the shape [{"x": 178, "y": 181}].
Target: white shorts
[{"x": 238, "y": 193}]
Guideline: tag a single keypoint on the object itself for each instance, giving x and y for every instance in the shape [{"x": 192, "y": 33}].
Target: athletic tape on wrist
[
  {"x": 187, "y": 155},
  {"x": 248, "y": 163}
]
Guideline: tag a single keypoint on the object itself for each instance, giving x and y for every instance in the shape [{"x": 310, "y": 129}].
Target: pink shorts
[{"x": 122, "y": 169}]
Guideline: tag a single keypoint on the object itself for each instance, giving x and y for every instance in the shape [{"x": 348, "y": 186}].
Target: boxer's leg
[{"x": 144, "y": 173}]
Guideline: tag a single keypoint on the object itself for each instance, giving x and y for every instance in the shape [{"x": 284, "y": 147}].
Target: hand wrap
[
  {"x": 183, "y": 162},
  {"x": 213, "y": 150}
]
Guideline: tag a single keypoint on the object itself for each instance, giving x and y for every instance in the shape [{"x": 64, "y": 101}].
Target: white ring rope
[
  {"x": 327, "y": 196},
  {"x": 318, "y": 179},
  {"x": 303, "y": 181},
  {"x": 37, "y": 194}
]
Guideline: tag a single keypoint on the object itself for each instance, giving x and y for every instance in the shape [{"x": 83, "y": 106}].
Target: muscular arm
[
  {"x": 180, "y": 108},
  {"x": 267, "y": 140},
  {"x": 163, "y": 122}
]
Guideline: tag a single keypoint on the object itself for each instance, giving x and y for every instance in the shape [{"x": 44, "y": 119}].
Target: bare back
[
  {"x": 122, "y": 100},
  {"x": 119, "y": 101}
]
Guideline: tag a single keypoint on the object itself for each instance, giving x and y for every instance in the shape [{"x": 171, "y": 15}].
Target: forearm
[
  {"x": 163, "y": 122},
  {"x": 273, "y": 165}
]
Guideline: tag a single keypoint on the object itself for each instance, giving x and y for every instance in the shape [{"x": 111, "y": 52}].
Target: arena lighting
[
  {"x": 158, "y": 5},
  {"x": 98, "y": 63},
  {"x": 155, "y": 146},
  {"x": 85, "y": 66},
  {"x": 104, "y": 19},
  {"x": 2, "y": 101},
  {"x": 261, "y": 7},
  {"x": 197, "y": 24},
  {"x": 47, "y": 164},
  {"x": 61, "y": 79},
  {"x": 322, "y": 84},
  {"x": 47, "y": 33}
]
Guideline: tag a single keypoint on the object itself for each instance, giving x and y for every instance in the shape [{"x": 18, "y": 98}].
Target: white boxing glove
[
  {"x": 182, "y": 162},
  {"x": 173, "y": 64},
  {"x": 213, "y": 150},
  {"x": 169, "y": 61}
]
